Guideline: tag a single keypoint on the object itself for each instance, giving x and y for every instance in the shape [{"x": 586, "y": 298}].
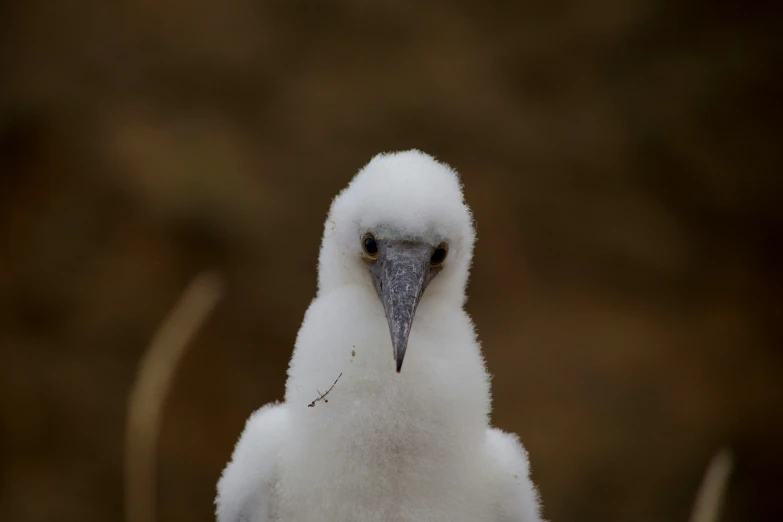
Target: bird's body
[{"x": 412, "y": 445}]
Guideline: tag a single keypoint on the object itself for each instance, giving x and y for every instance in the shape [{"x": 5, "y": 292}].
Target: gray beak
[{"x": 401, "y": 274}]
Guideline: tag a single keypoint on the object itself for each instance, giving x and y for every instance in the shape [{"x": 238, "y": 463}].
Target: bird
[{"x": 359, "y": 437}]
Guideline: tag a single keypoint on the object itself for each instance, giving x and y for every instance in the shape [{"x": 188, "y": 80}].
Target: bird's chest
[
  {"x": 365, "y": 467},
  {"x": 373, "y": 492}
]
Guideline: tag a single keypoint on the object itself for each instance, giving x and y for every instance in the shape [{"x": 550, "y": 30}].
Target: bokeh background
[{"x": 620, "y": 157}]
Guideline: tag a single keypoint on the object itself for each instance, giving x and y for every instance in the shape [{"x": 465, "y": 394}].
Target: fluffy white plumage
[{"x": 387, "y": 446}]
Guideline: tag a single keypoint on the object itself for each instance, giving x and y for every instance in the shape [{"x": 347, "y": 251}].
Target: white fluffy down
[{"x": 413, "y": 446}]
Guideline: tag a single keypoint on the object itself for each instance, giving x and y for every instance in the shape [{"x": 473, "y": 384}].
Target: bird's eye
[
  {"x": 370, "y": 246},
  {"x": 439, "y": 255}
]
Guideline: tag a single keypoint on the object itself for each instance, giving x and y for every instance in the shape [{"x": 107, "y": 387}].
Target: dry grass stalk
[
  {"x": 148, "y": 394},
  {"x": 713, "y": 487}
]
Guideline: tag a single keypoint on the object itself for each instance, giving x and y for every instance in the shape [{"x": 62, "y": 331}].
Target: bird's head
[{"x": 400, "y": 227}]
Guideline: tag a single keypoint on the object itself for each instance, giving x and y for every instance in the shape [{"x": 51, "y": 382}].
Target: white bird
[{"x": 383, "y": 445}]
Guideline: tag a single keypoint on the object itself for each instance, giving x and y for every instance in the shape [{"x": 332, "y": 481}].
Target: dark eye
[
  {"x": 370, "y": 246},
  {"x": 439, "y": 255}
]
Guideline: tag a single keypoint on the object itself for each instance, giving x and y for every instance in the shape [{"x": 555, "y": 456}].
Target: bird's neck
[
  {"x": 344, "y": 349},
  {"x": 379, "y": 437}
]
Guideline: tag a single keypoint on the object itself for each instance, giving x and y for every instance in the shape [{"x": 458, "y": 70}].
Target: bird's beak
[{"x": 401, "y": 274}]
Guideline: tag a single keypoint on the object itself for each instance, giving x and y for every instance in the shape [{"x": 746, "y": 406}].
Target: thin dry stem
[
  {"x": 713, "y": 487},
  {"x": 148, "y": 394},
  {"x": 322, "y": 396}
]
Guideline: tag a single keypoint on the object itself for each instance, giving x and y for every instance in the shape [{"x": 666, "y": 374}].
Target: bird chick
[{"x": 388, "y": 444}]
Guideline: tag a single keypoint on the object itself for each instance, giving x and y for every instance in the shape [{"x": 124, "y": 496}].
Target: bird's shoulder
[
  {"x": 244, "y": 488},
  {"x": 517, "y": 496}
]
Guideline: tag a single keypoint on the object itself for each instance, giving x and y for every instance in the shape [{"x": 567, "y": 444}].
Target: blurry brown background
[{"x": 620, "y": 157}]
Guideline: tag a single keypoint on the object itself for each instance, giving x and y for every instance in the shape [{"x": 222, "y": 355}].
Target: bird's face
[
  {"x": 401, "y": 269},
  {"x": 402, "y": 221}
]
